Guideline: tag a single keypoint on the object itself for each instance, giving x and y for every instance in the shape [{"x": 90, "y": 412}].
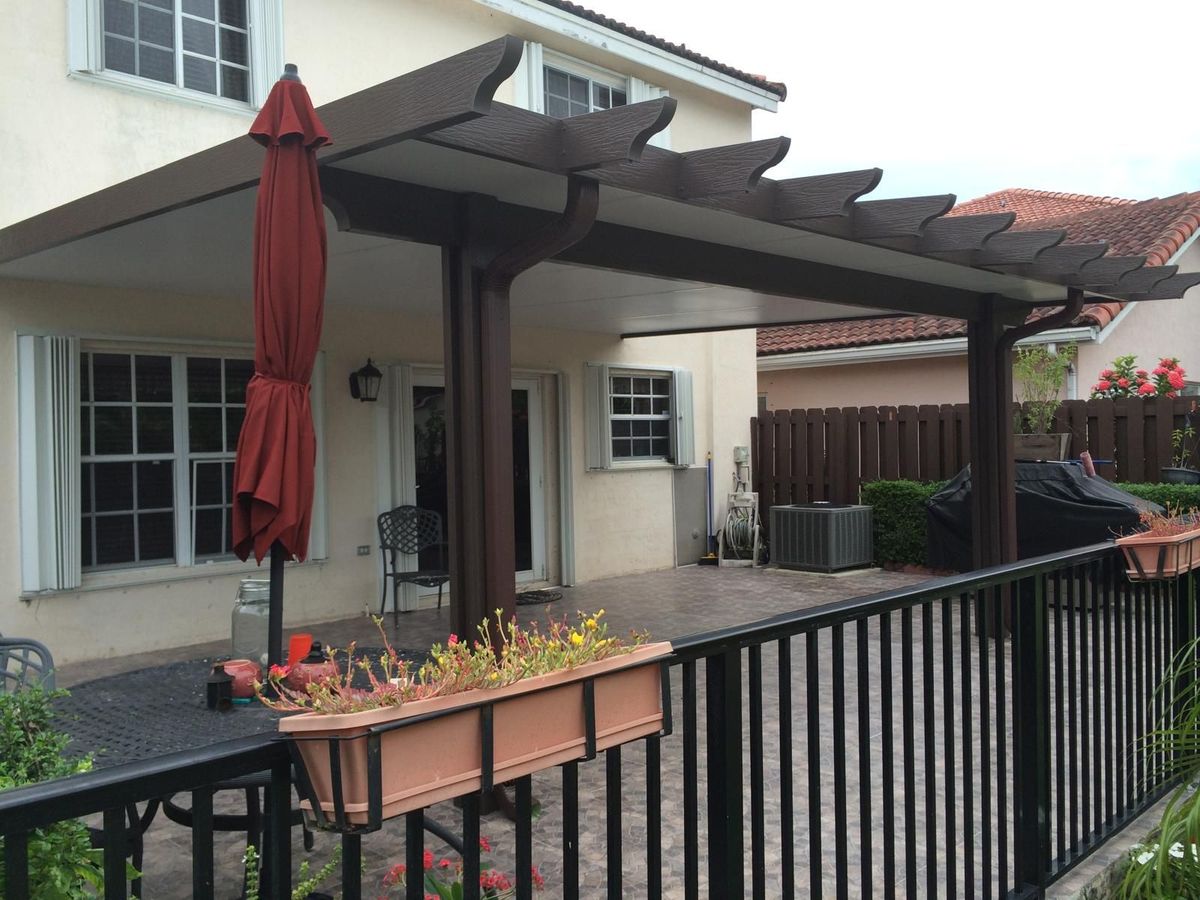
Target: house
[
  {"x": 133, "y": 553},
  {"x": 922, "y": 359},
  {"x": 474, "y": 140}
]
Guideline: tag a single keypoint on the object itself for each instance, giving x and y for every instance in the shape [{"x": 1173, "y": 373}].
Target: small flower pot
[
  {"x": 1171, "y": 475},
  {"x": 1041, "y": 446},
  {"x": 445, "y": 747},
  {"x": 1150, "y": 557}
]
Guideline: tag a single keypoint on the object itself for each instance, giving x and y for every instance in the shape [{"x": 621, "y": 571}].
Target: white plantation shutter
[
  {"x": 48, "y": 408},
  {"x": 597, "y": 440},
  {"x": 528, "y": 80},
  {"x": 596, "y": 419},
  {"x": 683, "y": 431}
]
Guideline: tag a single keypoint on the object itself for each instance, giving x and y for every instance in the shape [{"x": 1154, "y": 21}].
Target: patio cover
[{"x": 661, "y": 242}]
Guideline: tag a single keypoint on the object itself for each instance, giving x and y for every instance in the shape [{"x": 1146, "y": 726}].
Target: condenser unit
[{"x": 821, "y": 537}]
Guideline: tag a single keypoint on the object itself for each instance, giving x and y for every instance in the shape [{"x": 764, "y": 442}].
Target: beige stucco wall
[
  {"x": 71, "y": 136},
  {"x": 624, "y": 520},
  {"x": 887, "y": 383}
]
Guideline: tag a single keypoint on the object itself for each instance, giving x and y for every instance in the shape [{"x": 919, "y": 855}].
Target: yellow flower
[
  {"x": 494, "y": 676},
  {"x": 576, "y": 638},
  {"x": 591, "y": 624}
]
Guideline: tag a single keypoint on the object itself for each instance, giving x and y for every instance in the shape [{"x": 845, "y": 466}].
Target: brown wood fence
[{"x": 803, "y": 455}]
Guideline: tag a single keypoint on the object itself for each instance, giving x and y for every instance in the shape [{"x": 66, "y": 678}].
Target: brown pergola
[{"x": 429, "y": 157}]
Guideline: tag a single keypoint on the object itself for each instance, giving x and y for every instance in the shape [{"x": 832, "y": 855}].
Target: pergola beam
[
  {"x": 1017, "y": 247},
  {"x": 564, "y": 146},
  {"x": 1106, "y": 270},
  {"x": 731, "y": 169},
  {"x": 954, "y": 236},
  {"x": 1061, "y": 261},
  {"x": 1170, "y": 288}
]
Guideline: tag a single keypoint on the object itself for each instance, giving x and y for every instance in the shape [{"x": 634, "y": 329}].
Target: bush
[
  {"x": 62, "y": 863},
  {"x": 1176, "y": 496},
  {"x": 899, "y": 518}
]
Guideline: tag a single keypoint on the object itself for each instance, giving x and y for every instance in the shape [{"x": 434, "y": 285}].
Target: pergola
[{"x": 648, "y": 242}]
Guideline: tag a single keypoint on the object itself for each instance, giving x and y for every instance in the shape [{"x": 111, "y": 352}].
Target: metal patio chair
[
  {"x": 24, "y": 663},
  {"x": 409, "y": 530}
]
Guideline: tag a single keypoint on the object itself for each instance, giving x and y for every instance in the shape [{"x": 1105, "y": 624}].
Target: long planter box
[
  {"x": 537, "y": 723},
  {"x": 1150, "y": 557}
]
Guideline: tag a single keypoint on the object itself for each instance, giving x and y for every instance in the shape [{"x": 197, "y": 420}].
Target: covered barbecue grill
[{"x": 1058, "y": 508}]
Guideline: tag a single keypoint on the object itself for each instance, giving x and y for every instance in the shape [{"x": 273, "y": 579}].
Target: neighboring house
[
  {"x": 150, "y": 385},
  {"x": 922, "y": 359}
]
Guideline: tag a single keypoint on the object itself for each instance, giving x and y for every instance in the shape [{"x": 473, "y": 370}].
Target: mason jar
[{"x": 251, "y": 616}]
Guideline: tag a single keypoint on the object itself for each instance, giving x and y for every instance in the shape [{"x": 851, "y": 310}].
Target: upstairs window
[
  {"x": 226, "y": 52},
  {"x": 201, "y": 45},
  {"x": 576, "y": 95}
]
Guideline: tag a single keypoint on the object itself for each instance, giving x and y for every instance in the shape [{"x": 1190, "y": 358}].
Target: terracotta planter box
[
  {"x": 537, "y": 723},
  {"x": 1041, "y": 446},
  {"x": 1150, "y": 557}
]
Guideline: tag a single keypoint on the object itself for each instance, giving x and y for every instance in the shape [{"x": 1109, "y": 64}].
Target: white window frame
[
  {"x": 86, "y": 56},
  {"x": 51, "y": 465},
  {"x": 598, "y": 416},
  {"x": 530, "y": 90}
]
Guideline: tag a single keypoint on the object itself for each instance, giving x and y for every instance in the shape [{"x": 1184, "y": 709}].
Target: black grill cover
[{"x": 1058, "y": 508}]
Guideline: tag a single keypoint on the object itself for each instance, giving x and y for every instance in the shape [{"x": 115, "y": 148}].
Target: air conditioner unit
[{"x": 821, "y": 537}]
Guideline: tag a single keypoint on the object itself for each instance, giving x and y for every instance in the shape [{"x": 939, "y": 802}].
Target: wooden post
[{"x": 993, "y": 519}]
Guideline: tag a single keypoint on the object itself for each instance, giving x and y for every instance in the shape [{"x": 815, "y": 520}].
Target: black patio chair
[
  {"x": 409, "y": 530},
  {"x": 25, "y": 663}
]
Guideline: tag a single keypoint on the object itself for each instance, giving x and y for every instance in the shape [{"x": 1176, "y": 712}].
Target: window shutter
[
  {"x": 85, "y": 36},
  {"x": 528, "y": 89},
  {"x": 266, "y": 48},
  {"x": 597, "y": 441},
  {"x": 640, "y": 91},
  {"x": 48, "y": 409},
  {"x": 683, "y": 435}
]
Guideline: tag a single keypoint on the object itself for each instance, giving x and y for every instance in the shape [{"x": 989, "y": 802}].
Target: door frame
[{"x": 396, "y": 462}]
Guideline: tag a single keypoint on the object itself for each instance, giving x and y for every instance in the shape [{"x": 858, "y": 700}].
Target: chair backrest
[
  {"x": 409, "y": 529},
  {"x": 24, "y": 663}
]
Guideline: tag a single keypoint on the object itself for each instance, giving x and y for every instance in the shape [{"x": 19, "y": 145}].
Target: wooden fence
[{"x": 803, "y": 455}]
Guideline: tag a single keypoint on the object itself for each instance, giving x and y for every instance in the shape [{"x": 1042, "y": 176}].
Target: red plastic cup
[{"x": 298, "y": 647}]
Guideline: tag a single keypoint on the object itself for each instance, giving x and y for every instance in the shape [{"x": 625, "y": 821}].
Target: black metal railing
[{"x": 973, "y": 736}]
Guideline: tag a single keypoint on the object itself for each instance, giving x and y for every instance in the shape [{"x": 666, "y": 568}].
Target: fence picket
[
  {"x": 783, "y": 457},
  {"x": 816, "y": 453},
  {"x": 799, "y": 473},
  {"x": 869, "y": 448},
  {"x": 910, "y": 464}
]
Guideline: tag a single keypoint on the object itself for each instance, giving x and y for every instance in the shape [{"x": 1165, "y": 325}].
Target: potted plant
[
  {"x": 444, "y": 880},
  {"x": 1039, "y": 376},
  {"x": 430, "y": 721},
  {"x": 1167, "y": 545},
  {"x": 1183, "y": 446}
]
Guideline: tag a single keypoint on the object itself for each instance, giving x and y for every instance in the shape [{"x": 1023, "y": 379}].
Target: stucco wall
[
  {"x": 70, "y": 136},
  {"x": 623, "y": 520},
  {"x": 888, "y": 383}
]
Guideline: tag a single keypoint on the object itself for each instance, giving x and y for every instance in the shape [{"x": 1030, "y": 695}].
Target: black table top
[{"x": 152, "y": 712}]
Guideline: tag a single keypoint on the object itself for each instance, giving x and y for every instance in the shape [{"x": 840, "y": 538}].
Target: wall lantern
[{"x": 364, "y": 384}]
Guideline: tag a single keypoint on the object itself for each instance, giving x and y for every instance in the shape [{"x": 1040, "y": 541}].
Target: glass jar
[{"x": 251, "y": 618}]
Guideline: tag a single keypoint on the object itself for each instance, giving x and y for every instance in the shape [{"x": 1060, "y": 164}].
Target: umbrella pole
[{"x": 275, "y": 617}]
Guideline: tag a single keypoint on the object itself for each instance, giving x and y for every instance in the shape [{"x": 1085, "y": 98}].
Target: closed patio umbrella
[{"x": 276, "y": 453}]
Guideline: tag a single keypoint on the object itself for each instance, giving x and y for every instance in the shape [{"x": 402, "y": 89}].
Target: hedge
[
  {"x": 1176, "y": 496},
  {"x": 899, "y": 518},
  {"x": 899, "y": 512}
]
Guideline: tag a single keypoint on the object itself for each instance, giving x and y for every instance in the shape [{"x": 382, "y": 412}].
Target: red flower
[
  {"x": 452, "y": 640},
  {"x": 395, "y": 874},
  {"x": 1159, "y": 370},
  {"x": 278, "y": 671},
  {"x": 1142, "y": 373},
  {"x": 443, "y": 863},
  {"x": 1107, "y": 373},
  {"x": 1147, "y": 388},
  {"x": 538, "y": 881},
  {"x": 484, "y": 844},
  {"x": 1172, "y": 394},
  {"x": 428, "y": 860},
  {"x": 1175, "y": 379},
  {"x": 1123, "y": 382},
  {"x": 1104, "y": 385}
]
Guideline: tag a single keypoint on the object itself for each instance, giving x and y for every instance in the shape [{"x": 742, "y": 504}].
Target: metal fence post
[
  {"x": 723, "y": 683},
  {"x": 1031, "y": 733}
]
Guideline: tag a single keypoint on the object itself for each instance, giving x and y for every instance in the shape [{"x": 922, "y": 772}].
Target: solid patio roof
[{"x": 683, "y": 242}]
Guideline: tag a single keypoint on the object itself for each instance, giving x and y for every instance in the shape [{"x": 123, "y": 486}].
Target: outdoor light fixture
[{"x": 364, "y": 383}]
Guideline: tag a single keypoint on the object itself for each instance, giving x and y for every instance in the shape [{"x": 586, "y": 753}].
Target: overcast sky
[{"x": 963, "y": 97}]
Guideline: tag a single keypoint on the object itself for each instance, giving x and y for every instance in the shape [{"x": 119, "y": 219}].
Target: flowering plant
[
  {"x": 1125, "y": 379},
  {"x": 453, "y": 667},
  {"x": 1168, "y": 524},
  {"x": 443, "y": 880}
]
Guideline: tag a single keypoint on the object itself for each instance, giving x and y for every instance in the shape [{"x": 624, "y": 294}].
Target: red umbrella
[{"x": 276, "y": 454}]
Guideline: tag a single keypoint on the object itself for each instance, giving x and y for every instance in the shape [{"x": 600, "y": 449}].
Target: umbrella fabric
[{"x": 276, "y": 454}]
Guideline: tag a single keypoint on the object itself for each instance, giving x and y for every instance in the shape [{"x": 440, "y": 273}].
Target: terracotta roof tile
[
  {"x": 1155, "y": 229},
  {"x": 778, "y": 88}
]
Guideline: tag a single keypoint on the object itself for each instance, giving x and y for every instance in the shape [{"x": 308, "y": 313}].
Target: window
[
  {"x": 638, "y": 416},
  {"x": 213, "y": 50},
  {"x": 575, "y": 95},
  {"x": 558, "y": 85},
  {"x": 127, "y": 457},
  {"x": 762, "y": 404},
  {"x": 131, "y": 455}
]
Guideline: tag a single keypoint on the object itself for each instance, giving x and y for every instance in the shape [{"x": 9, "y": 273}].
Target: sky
[{"x": 964, "y": 97}]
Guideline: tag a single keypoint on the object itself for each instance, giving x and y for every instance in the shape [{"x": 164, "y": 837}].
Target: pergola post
[
  {"x": 478, "y": 359},
  {"x": 993, "y": 506}
]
